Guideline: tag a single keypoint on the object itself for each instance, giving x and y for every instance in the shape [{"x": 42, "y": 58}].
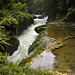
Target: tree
[
  {"x": 50, "y": 7},
  {"x": 62, "y": 7}
]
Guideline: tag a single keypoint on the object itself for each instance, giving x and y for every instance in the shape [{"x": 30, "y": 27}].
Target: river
[{"x": 26, "y": 39}]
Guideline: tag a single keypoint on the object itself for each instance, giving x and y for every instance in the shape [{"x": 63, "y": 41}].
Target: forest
[{"x": 16, "y": 15}]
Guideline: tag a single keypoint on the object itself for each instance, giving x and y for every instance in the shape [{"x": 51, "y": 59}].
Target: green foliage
[
  {"x": 37, "y": 6},
  {"x": 70, "y": 15},
  {"x": 20, "y": 16},
  {"x": 59, "y": 16},
  {"x": 9, "y": 21},
  {"x": 7, "y": 68},
  {"x": 19, "y": 7},
  {"x": 3, "y": 38},
  {"x": 4, "y": 13},
  {"x": 13, "y": 13},
  {"x": 53, "y": 8},
  {"x": 62, "y": 7}
]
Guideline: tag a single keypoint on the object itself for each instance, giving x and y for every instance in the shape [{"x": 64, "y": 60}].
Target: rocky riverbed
[{"x": 59, "y": 49}]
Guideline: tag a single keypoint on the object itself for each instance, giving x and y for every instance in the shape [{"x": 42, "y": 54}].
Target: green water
[
  {"x": 61, "y": 32},
  {"x": 65, "y": 55}
]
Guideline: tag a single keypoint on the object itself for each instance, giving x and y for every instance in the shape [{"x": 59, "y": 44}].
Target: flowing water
[
  {"x": 61, "y": 59},
  {"x": 26, "y": 39}
]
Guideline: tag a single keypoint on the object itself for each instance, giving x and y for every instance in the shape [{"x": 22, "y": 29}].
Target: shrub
[
  {"x": 20, "y": 16},
  {"x": 3, "y": 38},
  {"x": 4, "y": 13},
  {"x": 10, "y": 21},
  {"x": 70, "y": 15},
  {"x": 19, "y": 7}
]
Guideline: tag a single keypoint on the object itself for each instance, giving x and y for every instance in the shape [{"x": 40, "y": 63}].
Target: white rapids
[{"x": 26, "y": 39}]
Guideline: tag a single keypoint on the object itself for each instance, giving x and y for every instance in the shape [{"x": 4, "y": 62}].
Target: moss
[{"x": 37, "y": 42}]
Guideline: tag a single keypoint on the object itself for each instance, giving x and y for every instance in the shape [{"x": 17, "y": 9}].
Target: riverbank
[
  {"x": 12, "y": 26},
  {"x": 45, "y": 41},
  {"x": 60, "y": 22},
  {"x": 10, "y": 68},
  {"x": 53, "y": 40}
]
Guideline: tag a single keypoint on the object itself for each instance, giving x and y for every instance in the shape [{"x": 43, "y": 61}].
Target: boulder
[
  {"x": 38, "y": 29},
  {"x": 9, "y": 48},
  {"x": 14, "y": 45}
]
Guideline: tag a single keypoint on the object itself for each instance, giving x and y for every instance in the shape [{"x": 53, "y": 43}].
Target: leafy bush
[
  {"x": 70, "y": 15},
  {"x": 12, "y": 19},
  {"x": 4, "y": 13},
  {"x": 58, "y": 16},
  {"x": 3, "y": 38},
  {"x": 9, "y": 21},
  {"x": 20, "y": 16},
  {"x": 19, "y": 7}
]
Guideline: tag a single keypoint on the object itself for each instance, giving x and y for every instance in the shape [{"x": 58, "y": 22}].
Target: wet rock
[
  {"x": 43, "y": 61},
  {"x": 14, "y": 45},
  {"x": 38, "y": 29},
  {"x": 40, "y": 16},
  {"x": 33, "y": 46},
  {"x": 37, "y": 43}
]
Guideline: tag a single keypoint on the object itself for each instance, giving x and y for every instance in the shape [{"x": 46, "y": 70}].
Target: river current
[{"x": 26, "y": 39}]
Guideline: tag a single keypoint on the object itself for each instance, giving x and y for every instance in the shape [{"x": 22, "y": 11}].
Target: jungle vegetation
[
  {"x": 16, "y": 15},
  {"x": 55, "y": 8}
]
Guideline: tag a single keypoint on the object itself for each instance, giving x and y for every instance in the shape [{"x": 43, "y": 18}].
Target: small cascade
[{"x": 26, "y": 39}]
